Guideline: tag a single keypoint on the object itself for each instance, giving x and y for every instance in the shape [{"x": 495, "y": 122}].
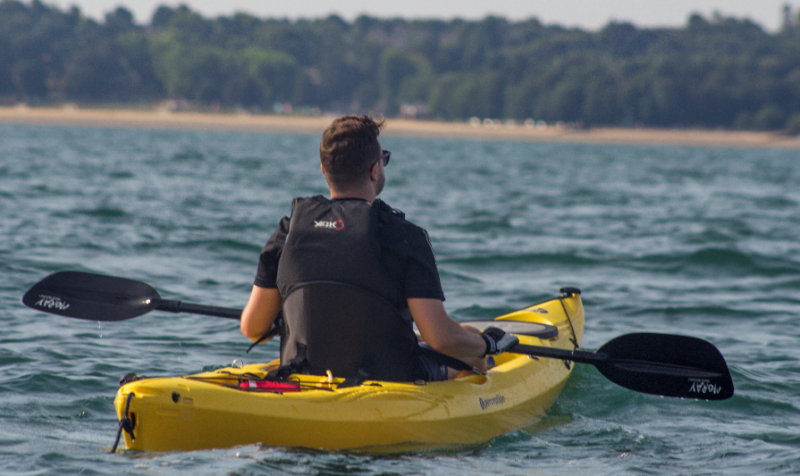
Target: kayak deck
[{"x": 220, "y": 409}]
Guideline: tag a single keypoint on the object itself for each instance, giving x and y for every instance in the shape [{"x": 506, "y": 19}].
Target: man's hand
[{"x": 498, "y": 340}]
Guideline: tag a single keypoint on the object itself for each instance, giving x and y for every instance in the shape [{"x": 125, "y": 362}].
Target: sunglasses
[{"x": 385, "y": 155}]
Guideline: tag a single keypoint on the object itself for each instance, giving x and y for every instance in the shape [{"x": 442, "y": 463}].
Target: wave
[
  {"x": 121, "y": 175},
  {"x": 515, "y": 261},
  {"x": 714, "y": 261},
  {"x": 215, "y": 245},
  {"x": 102, "y": 212},
  {"x": 9, "y": 357},
  {"x": 673, "y": 311},
  {"x": 188, "y": 155}
]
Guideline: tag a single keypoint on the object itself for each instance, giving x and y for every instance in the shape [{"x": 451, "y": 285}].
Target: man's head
[{"x": 349, "y": 151}]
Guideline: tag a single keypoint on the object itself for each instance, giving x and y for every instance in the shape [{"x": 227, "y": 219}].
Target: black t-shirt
[{"x": 406, "y": 254}]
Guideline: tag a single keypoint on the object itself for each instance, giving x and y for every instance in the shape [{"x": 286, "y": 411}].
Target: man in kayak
[{"x": 350, "y": 273}]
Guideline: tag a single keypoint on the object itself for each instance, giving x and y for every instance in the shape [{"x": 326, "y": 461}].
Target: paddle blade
[
  {"x": 665, "y": 364},
  {"x": 91, "y": 296}
]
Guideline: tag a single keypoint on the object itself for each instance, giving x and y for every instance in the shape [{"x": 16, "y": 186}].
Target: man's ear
[
  {"x": 321, "y": 169},
  {"x": 373, "y": 172}
]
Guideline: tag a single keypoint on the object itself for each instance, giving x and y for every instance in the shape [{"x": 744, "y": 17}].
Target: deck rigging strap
[
  {"x": 271, "y": 332},
  {"x": 125, "y": 423},
  {"x": 567, "y": 292}
]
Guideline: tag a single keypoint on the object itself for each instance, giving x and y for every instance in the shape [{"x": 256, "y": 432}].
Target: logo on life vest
[{"x": 330, "y": 225}]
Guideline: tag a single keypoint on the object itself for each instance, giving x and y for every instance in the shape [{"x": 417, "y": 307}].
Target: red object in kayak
[{"x": 270, "y": 386}]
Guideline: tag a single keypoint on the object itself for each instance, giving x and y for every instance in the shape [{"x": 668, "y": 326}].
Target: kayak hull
[{"x": 210, "y": 410}]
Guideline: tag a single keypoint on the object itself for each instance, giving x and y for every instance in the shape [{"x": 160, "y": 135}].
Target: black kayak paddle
[
  {"x": 96, "y": 297},
  {"x": 658, "y": 364}
]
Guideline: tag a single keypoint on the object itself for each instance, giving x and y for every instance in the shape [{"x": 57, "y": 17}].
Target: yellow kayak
[{"x": 230, "y": 407}]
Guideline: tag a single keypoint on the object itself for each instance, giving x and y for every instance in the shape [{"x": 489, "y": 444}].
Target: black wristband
[{"x": 488, "y": 345}]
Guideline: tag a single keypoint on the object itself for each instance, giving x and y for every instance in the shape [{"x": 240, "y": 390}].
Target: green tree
[
  {"x": 769, "y": 117},
  {"x": 259, "y": 77},
  {"x": 188, "y": 72},
  {"x": 403, "y": 77}
]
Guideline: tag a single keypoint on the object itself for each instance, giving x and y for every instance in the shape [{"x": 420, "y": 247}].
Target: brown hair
[{"x": 348, "y": 149}]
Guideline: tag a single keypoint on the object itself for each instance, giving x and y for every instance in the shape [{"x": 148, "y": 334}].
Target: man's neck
[{"x": 357, "y": 194}]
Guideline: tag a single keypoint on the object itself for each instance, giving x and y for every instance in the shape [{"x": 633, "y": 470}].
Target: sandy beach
[{"x": 72, "y": 116}]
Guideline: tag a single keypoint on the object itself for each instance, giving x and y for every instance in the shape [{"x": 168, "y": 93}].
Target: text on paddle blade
[{"x": 52, "y": 302}]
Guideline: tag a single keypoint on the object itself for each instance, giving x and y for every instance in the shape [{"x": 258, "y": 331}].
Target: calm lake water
[{"x": 696, "y": 241}]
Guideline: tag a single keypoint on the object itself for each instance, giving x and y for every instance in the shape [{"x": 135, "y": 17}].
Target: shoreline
[{"x": 153, "y": 119}]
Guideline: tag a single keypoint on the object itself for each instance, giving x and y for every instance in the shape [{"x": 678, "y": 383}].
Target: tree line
[{"x": 717, "y": 72}]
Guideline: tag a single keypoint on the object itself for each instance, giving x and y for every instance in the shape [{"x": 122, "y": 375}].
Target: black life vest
[{"x": 341, "y": 308}]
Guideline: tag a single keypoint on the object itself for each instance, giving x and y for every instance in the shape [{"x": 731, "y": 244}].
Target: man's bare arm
[
  {"x": 261, "y": 310},
  {"x": 443, "y": 333}
]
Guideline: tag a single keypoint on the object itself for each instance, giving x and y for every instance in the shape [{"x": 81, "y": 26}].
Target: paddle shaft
[
  {"x": 180, "y": 306},
  {"x": 579, "y": 356}
]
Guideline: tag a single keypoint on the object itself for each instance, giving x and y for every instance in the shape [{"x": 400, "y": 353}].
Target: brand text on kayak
[{"x": 496, "y": 400}]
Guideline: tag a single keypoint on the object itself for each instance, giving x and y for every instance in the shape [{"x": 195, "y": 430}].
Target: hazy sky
[{"x": 587, "y": 14}]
